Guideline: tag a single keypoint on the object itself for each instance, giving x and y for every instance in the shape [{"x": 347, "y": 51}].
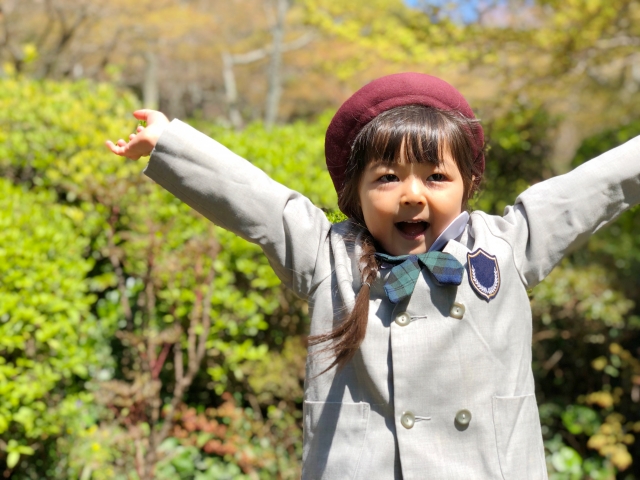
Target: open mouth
[{"x": 412, "y": 229}]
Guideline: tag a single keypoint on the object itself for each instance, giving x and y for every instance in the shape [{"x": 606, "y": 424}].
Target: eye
[
  {"x": 388, "y": 178},
  {"x": 437, "y": 177}
]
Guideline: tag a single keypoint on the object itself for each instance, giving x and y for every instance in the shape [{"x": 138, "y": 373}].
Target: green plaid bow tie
[{"x": 446, "y": 269}]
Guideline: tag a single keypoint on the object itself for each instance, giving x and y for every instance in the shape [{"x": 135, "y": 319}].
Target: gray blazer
[{"x": 397, "y": 410}]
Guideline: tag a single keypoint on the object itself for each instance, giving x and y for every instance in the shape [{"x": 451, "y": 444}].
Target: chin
[{"x": 412, "y": 250}]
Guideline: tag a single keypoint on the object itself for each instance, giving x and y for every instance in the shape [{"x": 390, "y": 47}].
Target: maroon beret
[{"x": 384, "y": 94}]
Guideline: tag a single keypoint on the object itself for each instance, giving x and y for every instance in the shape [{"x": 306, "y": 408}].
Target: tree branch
[
  {"x": 159, "y": 362},
  {"x": 178, "y": 362},
  {"x": 117, "y": 267},
  {"x": 229, "y": 60},
  {"x": 67, "y": 34},
  {"x": 196, "y": 350},
  {"x": 619, "y": 41}
]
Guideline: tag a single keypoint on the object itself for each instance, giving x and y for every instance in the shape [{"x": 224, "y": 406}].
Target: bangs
[{"x": 420, "y": 136}]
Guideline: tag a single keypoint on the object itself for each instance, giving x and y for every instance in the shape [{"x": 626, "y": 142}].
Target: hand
[{"x": 144, "y": 140}]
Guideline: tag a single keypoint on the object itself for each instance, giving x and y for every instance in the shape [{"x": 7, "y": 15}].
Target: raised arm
[
  {"x": 239, "y": 197},
  {"x": 554, "y": 217}
]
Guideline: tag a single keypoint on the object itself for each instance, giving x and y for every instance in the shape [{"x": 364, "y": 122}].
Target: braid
[{"x": 350, "y": 333}]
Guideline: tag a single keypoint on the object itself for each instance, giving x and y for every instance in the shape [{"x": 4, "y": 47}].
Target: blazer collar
[
  {"x": 458, "y": 246},
  {"x": 453, "y": 230}
]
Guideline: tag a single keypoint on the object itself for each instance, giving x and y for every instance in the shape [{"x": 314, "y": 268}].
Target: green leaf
[
  {"x": 12, "y": 459},
  {"x": 567, "y": 460},
  {"x": 579, "y": 419}
]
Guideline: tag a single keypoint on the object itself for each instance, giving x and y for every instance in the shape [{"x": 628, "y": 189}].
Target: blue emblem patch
[{"x": 484, "y": 274}]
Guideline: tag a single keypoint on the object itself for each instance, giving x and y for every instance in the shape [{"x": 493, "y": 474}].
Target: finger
[
  {"x": 122, "y": 151},
  {"x": 114, "y": 148},
  {"x": 111, "y": 146},
  {"x": 142, "y": 114},
  {"x": 132, "y": 136},
  {"x": 151, "y": 116},
  {"x": 121, "y": 143},
  {"x": 140, "y": 128}
]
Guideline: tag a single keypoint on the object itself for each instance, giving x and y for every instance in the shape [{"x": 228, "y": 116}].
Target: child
[{"x": 422, "y": 307}]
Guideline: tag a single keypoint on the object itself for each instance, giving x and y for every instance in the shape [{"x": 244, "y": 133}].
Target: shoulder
[
  {"x": 346, "y": 249},
  {"x": 348, "y": 229},
  {"x": 503, "y": 236},
  {"x": 346, "y": 239},
  {"x": 513, "y": 219}
]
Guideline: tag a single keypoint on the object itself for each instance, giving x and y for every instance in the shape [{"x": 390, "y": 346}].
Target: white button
[
  {"x": 457, "y": 311},
  {"x": 407, "y": 420},
  {"x": 403, "y": 319},
  {"x": 463, "y": 417}
]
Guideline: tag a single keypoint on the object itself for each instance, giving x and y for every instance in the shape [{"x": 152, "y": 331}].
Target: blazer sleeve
[
  {"x": 239, "y": 197},
  {"x": 552, "y": 218}
]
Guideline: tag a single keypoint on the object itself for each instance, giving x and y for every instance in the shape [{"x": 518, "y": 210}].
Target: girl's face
[{"x": 406, "y": 206}]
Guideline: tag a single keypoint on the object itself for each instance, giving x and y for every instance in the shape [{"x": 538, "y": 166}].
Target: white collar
[{"x": 453, "y": 230}]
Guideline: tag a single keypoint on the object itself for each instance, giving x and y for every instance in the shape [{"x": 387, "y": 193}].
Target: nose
[{"x": 413, "y": 192}]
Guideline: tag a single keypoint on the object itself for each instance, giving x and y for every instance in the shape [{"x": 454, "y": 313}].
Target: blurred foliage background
[{"x": 139, "y": 341}]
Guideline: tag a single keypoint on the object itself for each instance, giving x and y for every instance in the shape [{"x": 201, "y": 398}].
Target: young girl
[{"x": 420, "y": 357}]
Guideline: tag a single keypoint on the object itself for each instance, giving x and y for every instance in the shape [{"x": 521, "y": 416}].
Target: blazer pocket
[
  {"x": 334, "y": 438},
  {"x": 519, "y": 438}
]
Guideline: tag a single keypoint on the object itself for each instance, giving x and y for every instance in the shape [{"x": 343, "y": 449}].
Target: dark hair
[{"x": 423, "y": 134}]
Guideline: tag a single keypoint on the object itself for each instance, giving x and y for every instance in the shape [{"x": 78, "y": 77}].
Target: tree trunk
[
  {"x": 150, "y": 89},
  {"x": 568, "y": 137},
  {"x": 567, "y": 142},
  {"x": 231, "y": 91},
  {"x": 274, "y": 90}
]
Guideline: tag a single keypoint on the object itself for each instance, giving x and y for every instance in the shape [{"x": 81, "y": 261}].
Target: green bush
[
  {"x": 49, "y": 339},
  {"x": 145, "y": 253}
]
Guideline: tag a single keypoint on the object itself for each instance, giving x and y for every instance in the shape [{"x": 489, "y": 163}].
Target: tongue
[{"x": 412, "y": 229}]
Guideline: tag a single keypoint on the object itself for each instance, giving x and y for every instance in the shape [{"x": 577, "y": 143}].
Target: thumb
[
  {"x": 142, "y": 114},
  {"x": 150, "y": 116}
]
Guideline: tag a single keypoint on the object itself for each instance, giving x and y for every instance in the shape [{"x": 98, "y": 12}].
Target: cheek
[
  {"x": 368, "y": 210},
  {"x": 374, "y": 208},
  {"x": 373, "y": 211},
  {"x": 447, "y": 209}
]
